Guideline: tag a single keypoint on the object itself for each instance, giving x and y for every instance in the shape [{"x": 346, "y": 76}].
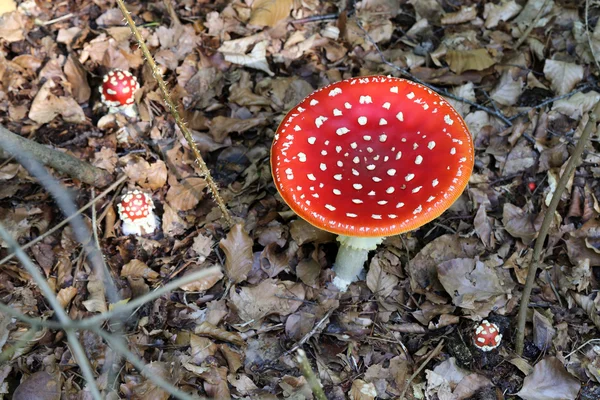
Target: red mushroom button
[
  {"x": 487, "y": 336},
  {"x": 118, "y": 91},
  {"x": 370, "y": 157},
  {"x": 136, "y": 213}
]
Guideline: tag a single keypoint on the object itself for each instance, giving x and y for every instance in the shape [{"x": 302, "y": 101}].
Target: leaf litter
[{"x": 237, "y": 67}]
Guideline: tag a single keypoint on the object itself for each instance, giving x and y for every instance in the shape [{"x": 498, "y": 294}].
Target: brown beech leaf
[
  {"x": 519, "y": 223},
  {"x": 269, "y": 12},
  {"x": 563, "y": 76},
  {"x": 362, "y": 390},
  {"x": 549, "y": 381},
  {"x": 65, "y": 295},
  {"x": 46, "y": 105},
  {"x": 271, "y": 296},
  {"x": 173, "y": 224},
  {"x": 237, "y": 247},
  {"x": 186, "y": 194},
  {"x": 379, "y": 281},
  {"x": 469, "y": 60},
  {"x": 138, "y": 269},
  {"x": 149, "y": 176},
  {"x": 208, "y": 329},
  {"x": 39, "y": 386},
  {"x": 96, "y": 301},
  {"x": 201, "y": 284},
  {"x": 201, "y": 348},
  {"x": 202, "y": 246}
]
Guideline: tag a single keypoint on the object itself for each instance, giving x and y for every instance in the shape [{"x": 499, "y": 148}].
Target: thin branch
[
  {"x": 433, "y": 353},
  {"x": 118, "y": 345},
  {"x": 76, "y": 347},
  {"x": 531, "y": 26},
  {"x": 315, "y": 385},
  {"x": 548, "y": 101},
  {"x": 63, "y": 199},
  {"x": 439, "y": 90},
  {"x": 572, "y": 164},
  {"x": 212, "y": 186},
  {"x": 90, "y": 322},
  {"x": 58, "y": 160},
  {"x": 67, "y": 220}
]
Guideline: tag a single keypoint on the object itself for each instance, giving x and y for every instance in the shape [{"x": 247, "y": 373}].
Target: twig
[
  {"x": 439, "y": 90},
  {"x": 76, "y": 347},
  {"x": 53, "y": 21},
  {"x": 60, "y": 161},
  {"x": 88, "y": 323},
  {"x": 67, "y": 220},
  {"x": 434, "y": 353},
  {"x": 310, "y": 334},
  {"x": 63, "y": 199},
  {"x": 118, "y": 345},
  {"x": 573, "y": 162},
  {"x": 212, "y": 186},
  {"x": 531, "y": 26},
  {"x": 309, "y": 374},
  {"x": 581, "y": 347},
  {"x": 587, "y": 33},
  {"x": 551, "y": 100}
]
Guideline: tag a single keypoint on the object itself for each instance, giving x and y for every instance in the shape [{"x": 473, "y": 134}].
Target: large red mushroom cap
[
  {"x": 487, "y": 336},
  {"x": 372, "y": 156},
  {"x": 118, "y": 88}
]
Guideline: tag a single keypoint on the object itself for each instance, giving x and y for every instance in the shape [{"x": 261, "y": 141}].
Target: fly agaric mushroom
[
  {"x": 136, "y": 212},
  {"x": 117, "y": 91},
  {"x": 370, "y": 157},
  {"x": 487, "y": 336}
]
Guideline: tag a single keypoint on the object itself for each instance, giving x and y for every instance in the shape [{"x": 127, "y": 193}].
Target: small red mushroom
[
  {"x": 531, "y": 186},
  {"x": 487, "y": 336},
  {"x": 136, "y": 212},
  {"x": 118, "y": 91},
  {"x": 370, "y": 157}
]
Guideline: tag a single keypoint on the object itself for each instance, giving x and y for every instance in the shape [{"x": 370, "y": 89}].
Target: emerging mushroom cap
[
  {"x": 118, "y": 88},
  {"x": 136, "y": 212},
  {"x": 372, "y": 156},
  {"x": 487, "y": 336}
]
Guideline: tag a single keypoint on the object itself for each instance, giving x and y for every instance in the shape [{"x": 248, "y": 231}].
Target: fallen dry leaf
[
  {"x": 271, "y": 296},
  {"x": 549, "y": 381},
  {"x": 138, "y": 269},
  {"x": 39, "y": 386},
  {"x": 469, "y": 60},
  {"x": 237, "y": 247},
  {"x": 269, "y": 12},
  {"x": 563, "y": 76},
  {"x": 46, "y": 105},
  {"x": 147, "y": 175},
  {"x": 185, "y": 195},
  {"x": 203, "y": 284},
  {"x": 208, "y": 329}
]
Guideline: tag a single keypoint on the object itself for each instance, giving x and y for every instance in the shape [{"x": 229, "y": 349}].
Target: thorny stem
[
  {"x": 212, "y": 187},
  {"x": 573, "y": 162},
  {"x": 309, "y": 374}
]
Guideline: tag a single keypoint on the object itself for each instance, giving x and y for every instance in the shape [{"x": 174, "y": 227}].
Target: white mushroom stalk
[{"x": 370, "y": 157}]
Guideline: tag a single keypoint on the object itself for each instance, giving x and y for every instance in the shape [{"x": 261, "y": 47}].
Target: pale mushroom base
[
  {"x": 351, "y": 257},
  {"x": 129, "y": 111},
  {"x": 140, "y": 227}
]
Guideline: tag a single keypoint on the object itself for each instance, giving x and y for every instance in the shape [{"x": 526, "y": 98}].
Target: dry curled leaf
[
  {"x": 549, "y": 381},
  {"x": 563, "y": 76},
  {"x": 47, "y": 105},
  {"x": 203, "y": 284},
  {"x": 65, "y": 295},
  {"x": 271, "y": 296},
  {"x": 96, "y": 301},
  {"x": 138, "y": 269},
  {"x": 469, "y": 60},
  {"x": 269, "y": 12},
  {"x": 39, "y": 386},
  {"x": 237, "y": 247},
  {"x": 186, "y": 194},
  {"x": 208, "y": 329}
]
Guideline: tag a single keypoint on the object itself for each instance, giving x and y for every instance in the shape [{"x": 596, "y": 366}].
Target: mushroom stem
[{"x": 351, "y": 257}]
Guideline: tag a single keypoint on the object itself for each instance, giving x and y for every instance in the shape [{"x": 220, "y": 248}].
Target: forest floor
[{"x": 522, "y": 73}]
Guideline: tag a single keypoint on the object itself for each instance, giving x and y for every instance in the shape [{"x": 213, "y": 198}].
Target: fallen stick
[{"x": 62, "y": 162}]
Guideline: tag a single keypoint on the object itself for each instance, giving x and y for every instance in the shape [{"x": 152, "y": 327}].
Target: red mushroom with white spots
[
  {"x": 136, "y": 211},
  {"x": 487, "y": 336},
  {"x": 370, "y": 157},
  {"x": 117, "y": 91}
]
